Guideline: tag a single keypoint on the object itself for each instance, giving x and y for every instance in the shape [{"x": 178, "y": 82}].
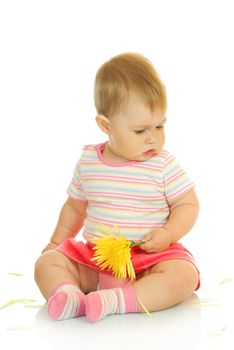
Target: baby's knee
[
  {"x": 187, "y": 278},
  {"x": 46, "y": 259}
]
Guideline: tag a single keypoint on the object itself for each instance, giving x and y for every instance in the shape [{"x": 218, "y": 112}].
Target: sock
[
  {"x": 108, "y": 281},
  {"x": 110, "y": 301},
  {"x": 66, "y": 301}
]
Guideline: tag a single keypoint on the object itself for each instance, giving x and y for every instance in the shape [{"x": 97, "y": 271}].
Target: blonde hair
[{"x": 127, "y": 72}]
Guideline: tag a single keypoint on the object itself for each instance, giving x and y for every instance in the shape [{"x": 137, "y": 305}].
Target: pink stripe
[
  {"x": 163, "y": 154},
  {"x": 90, "y": 147},
  {"x": 125, "y": 224},
  {"x": 148, "y": 166},
  {"x": 77, "y": 197},
  {"x": 117, "y": 195},
  {"x": 169, "y": 160},
  {"x": 134, "y": 164},
  {"x": 174, "y": 177},
  {"x": 178, "y": 193},
  {"x": 76, "y": 185},
  {"x": 129, "y": 208},
  {"x": 92, "y": 162},
  {"x": 120, "y": 179}
]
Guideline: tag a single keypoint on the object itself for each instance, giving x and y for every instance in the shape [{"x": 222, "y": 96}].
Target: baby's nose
[{"x": 152, "y": 136}]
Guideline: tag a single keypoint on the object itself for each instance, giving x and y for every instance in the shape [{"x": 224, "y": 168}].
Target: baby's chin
[{"x": 142, "y": 157}]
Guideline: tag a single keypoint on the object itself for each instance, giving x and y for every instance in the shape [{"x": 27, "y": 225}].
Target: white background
[{"x": 50, "y": 52}]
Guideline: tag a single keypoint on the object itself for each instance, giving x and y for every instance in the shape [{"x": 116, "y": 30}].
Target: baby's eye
[
  {"x": 159, "y": 127},
  {"x": 138, "y": 132}
]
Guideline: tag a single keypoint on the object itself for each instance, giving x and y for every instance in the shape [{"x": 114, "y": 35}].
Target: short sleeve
[
  {"x": 176, "y": 181},
  {"x": 75, "y": 187}
]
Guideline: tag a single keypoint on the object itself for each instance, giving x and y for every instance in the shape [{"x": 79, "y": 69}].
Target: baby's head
[
  {"x": 123, "y": 74},
  {"x": 131, "y": 103}
]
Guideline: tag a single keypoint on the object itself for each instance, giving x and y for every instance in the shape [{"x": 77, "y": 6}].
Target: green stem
[{"x": 134, "y": 244}]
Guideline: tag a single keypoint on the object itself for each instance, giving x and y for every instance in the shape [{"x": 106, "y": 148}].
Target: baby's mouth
[{"x": 150, "y": 152}]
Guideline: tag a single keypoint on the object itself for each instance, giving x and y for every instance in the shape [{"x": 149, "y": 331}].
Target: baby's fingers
[{"x": 146, "y": 246}]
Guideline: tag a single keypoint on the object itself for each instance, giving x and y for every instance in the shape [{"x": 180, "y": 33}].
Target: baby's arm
[
  {"x": 183, "y": 215},
  {"x": 70, "y": 222}
]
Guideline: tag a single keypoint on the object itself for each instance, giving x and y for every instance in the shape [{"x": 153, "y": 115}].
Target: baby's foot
[
  {"x": 65, "y": 302},
  {"x": 110, "y": 301}
]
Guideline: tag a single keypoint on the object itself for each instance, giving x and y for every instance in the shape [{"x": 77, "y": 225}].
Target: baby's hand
[{"x": 156, "y": 241}]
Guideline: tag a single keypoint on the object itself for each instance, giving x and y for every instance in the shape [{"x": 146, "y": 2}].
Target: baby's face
[{"x": 136, "y": 132}]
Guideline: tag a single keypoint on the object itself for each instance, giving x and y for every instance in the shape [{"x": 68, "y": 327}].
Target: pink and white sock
[
  {"x": 110, "y": 301},
  {"x": 66, "y": 301}
]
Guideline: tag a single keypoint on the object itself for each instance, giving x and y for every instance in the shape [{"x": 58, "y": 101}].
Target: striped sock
[
  {"x": 66, "y": 301},
  {"x": 110, "y": 301}
]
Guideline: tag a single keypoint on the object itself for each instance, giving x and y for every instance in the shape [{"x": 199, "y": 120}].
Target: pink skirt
[{"x": 83, "y": 253}]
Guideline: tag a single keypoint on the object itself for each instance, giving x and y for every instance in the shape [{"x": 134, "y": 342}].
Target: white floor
[{"x": 205, "y": 321}]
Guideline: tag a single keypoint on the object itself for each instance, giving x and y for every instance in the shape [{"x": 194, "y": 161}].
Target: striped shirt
[{"x": 134, "y": 195}]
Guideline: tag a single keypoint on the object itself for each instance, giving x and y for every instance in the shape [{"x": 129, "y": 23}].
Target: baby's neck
[{"x": 112, "y": 157}]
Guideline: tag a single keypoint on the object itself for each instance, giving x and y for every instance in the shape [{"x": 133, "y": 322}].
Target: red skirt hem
[{"x": 83, "y": 253}]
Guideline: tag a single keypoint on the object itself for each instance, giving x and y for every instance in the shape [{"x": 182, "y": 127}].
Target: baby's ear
[{"x": 103, "y": 123}]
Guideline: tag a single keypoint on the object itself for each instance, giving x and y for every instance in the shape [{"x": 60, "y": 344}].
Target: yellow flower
[{"x": 113, "y": 251}]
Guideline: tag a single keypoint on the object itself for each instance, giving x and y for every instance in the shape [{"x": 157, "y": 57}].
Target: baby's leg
[
  {"x": 166, "y": 284},
  {"x": 63, "y": 283}
]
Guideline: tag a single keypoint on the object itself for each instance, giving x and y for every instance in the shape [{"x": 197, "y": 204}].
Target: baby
[{"x": 130, "y": 181}]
